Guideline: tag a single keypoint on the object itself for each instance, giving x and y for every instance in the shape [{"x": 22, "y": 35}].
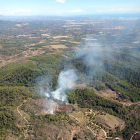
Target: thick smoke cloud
[{"x": 66, "y": 80}]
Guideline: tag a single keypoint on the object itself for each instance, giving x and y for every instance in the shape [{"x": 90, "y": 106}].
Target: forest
[
  {"x": 24, "y": 72},
  {"x": 18, "y": 82}
]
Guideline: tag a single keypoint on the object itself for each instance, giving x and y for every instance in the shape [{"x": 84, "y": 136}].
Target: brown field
[
  {"x": 22, "y": 59},
  {"x": 45, "y": 46},
  {"x": 80, "y": 117},
  {"x": 23, "y": 35},
  {"x": 74, "y": 42},
  {"x": 41, "y": 42},
  {"x": 81, "y": 85},
  {"x": 89, "y": 39},
  {"x": 32, "y": 37},
  {"x": 56, "y": 37},
  {"x": 56, "y": 46},
  {"x": 59, "y": 46},
  {"x": 110, "y": 121},
  {"x": 108, "y": 93},
  {"x": 0, "y": 47}
]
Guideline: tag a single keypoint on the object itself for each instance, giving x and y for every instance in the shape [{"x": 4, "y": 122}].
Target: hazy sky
[{"x": 67, "y": 7}]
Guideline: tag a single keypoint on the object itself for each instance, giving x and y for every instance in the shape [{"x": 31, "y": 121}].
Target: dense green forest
[
  {"x": 121, "y": 74},
  {"x": 25, "y": 74},
  {"x": 18, "y": 82}
]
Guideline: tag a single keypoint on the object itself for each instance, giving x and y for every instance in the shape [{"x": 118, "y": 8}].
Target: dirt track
[
  {"x": 111, "y": 95},
  {"x": 133, "y": 135},
  {"x": 88, "y": 126},
  {"x": 20, "y": 112}
]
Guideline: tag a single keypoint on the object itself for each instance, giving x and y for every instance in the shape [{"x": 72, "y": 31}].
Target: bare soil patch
[
  {"x": 101, "y": 135},
  {"x": 80, "y": 117},
  {"x": 11, "y": 137},
  {"x": 113, "y": 95},
  {"x": 81, "y": 85},
  {"x": 56, "y": 37},
  {"x": 42, "y": 106},
  {"x": 59, "y": 46},
  {"x": 108, "y": 93},
  {"x": 22, "y": 59},
  {"x": 57, "y": 130},
  {"x": 16, "y": 60},
  {"x": 74, "y": 42},
  {"x": 41, "y": 42},
  {"x": 110, "y": 121},
  {"x": 19, "y": 120}
]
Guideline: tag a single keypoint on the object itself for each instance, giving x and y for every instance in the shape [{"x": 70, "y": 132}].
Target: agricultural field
[{"x": 60, "y": 81}]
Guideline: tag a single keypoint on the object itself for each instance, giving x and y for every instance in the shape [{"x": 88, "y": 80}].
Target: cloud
[
  {"x": 120, "y": 10},
  {"x": 58, "y": 12},
  {"x": 23, "y": 10},
  {"x": 137, "y": 9},
  {"x": 76, "y": 11},
  {"x": 61, "y": 1},
  {"x": 12, "y": 12}
]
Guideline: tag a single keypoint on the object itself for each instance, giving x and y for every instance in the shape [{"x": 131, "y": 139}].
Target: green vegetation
[
  {"x": 86, "y": 98},
  {"x": 18, "y": 81},
  {"x": 10, "y": 52},
  {"x": 98, "y": 86},
  {"x": 11, "y": 97},
  {"x": 37, "y": 46},
  {"x": 118, "y": 74},
  {"x": 53, "y": 118},
  {"x": 13, "y": 76},
  {"x": 47, "y": 68},
  {"x": 25, "y": 74},
  {"x": 126, "y": 89},
  {"x": 11, "y": 45},
  {"x": 124, "y": 70}
]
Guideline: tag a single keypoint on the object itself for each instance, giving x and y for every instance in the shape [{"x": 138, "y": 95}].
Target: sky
[{"x": 67, "y": 7}]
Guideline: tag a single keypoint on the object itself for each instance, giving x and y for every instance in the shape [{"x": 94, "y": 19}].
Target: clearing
[
  {"x": 59, "y": 46},
  {"x": 110, "y": 121}
]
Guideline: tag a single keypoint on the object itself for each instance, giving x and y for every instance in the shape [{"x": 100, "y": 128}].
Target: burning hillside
[{"x": 47, "y": 106}]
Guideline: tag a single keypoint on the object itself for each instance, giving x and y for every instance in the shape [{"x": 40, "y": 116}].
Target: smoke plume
[{"x": 66, "y": 80}]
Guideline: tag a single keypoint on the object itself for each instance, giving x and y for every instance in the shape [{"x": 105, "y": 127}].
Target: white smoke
[
  {"x": 66, "y": 80},
  {"x": 49, "y": 106}
]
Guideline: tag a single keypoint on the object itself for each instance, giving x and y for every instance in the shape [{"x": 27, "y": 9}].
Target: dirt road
[{"x": 20, "y": 112}]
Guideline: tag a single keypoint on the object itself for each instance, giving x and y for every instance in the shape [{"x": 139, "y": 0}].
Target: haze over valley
[{"x": 70, "y": 74}]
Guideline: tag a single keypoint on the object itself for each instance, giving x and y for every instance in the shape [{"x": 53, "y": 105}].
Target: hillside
[
  {"x": 57, "y": 82},
  {"x": 20, "y": 115}
]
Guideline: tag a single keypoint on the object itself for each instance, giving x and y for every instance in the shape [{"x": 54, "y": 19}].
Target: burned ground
[{"x": 77, "y": 125}]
